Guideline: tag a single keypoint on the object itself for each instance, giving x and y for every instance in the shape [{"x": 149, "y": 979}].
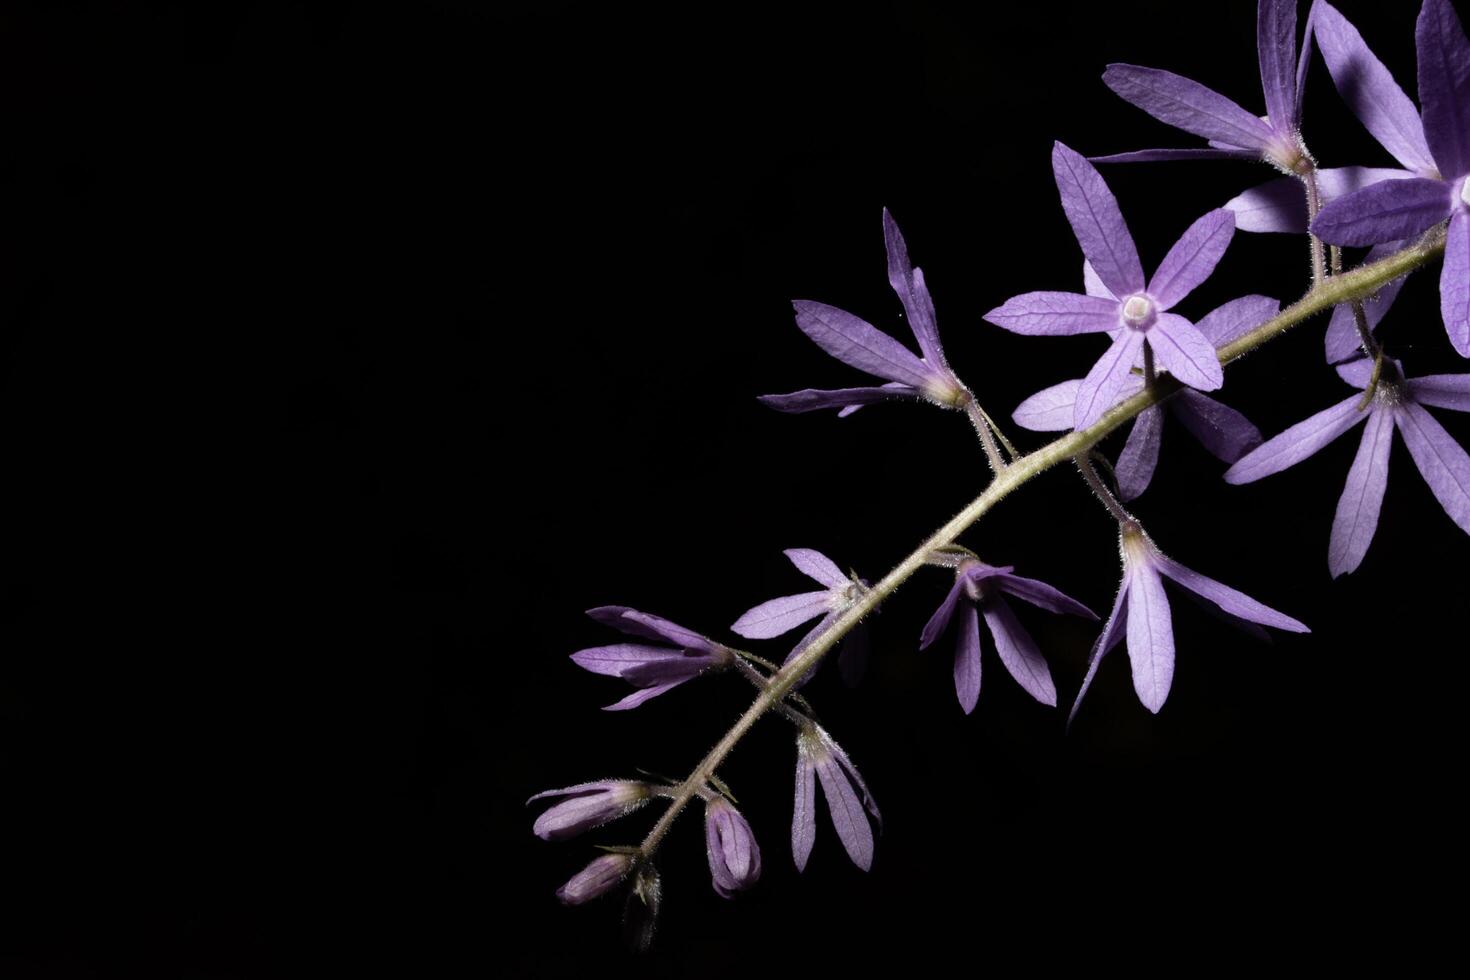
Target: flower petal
[
  {"x": 1193, "y": 257},
  {"x": 1383, "y": 212},
  {"x": 1043, "y": 596},
  {"x": 1135, "y": 467},
  {"x": 804, "y": 806},
  {"x": 1055, "y": 314},
  {"x": 642, "y": 694},
  {"x": 816, "y": 399},
  {"x": 1093, "y": 213},
  {"x": 1100, "y": 389},
  {"x": 815, "y": 565},
  {"x": 782, "y": 615},
  {"x": 967, "y": 658},
  {"x": 1229, "y": 600},
  {"x": 1444, "y": 86},
  {"x": 1150, "y": 636},
  {"x": 1049, "y": 410},
  {"x": 934, "y": 628},
  {"x": 1441, "y": 461},
  {"x": 1280, "y": 205},
  {"x": 1450, "y": 391},
  {"x": 1185, "y": 353},
  {"x": 1356, "y": 517},
  {"x": 1276, "y": 50},
  {"x": 1297, "y": 442},
  {"x": 1454, "y": 283},
  {"x": 1342, "y": 339},
  {"x": 614, "y": 660},
  {"x": 1092, "y": 285},
  {"x": 1112, "y": 632},
  {"x": 1018, "y": 652},
  {"x": 1234, "y": 319},
  {"x": 1189, "y": 106},
  {"x": 1163, "y": 155},
  {"x": 846, "y": 810},
  {"x": 859, "y": 344},
  {"x": 1222, "y": 430}
]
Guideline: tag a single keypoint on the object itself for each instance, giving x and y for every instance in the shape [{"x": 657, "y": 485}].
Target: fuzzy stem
[
  {"x": 1314, "y": 204},
  {"x": 1324, "y": 295},
  {"x": 985, "y": 429},
  {"x": 1101, "y": 490}
]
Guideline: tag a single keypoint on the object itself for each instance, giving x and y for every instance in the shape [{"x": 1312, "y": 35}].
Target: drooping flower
[
  {"x": 651, "y": 669},
  {"x": 818, "y": 757},
  {"x": 1438, "y": 153},
  {"x": 977, "y": 591},
  {"x": 1141, "y": 614},
  {"x": 588, "y": 805},
  {"x": 1219, "y": 428},
  {"x": 785, "y": 613},
  {"x": 859, "y": 344},
  {"x": 1399, "y": 403},
  {"x": 1133, "y": 310},
  {"x": 734, "y": 856},
  {"x": 598, "y": 878}
]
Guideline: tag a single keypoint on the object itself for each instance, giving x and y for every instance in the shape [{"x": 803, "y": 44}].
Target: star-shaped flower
[
  {"x": 1219, "y": 428},
  {"x": 1133, "y": 310},
  {"x": 977, "y": 591},
  {"x": 1141, "y": 613},
  {"x": 652, "y": 669},
  {"x": 818, "y": 757},
  {"x": 1399, "y": 403},
  {"x": 785, "y": 613},
  {"x": 857, "y": 343},
  {"x": 1438, "y": 152}
]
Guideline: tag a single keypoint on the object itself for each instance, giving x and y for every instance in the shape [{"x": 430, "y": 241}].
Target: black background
[{"x": 351, "y": 351}]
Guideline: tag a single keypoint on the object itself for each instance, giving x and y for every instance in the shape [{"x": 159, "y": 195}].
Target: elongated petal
[
  {"x": 1188, "y": 105},
  {"x": 586, "y": 806},
  {"x": 908, "y": 283},
  {"x": 1092, "y": 285},
  {"x": 840, "y": 754},
  {"x": 859, "y": 344},
  {"x": 1342, "y": 340},
  {"x": 1018, "y": 652},
  {"x": 1169, "y": 155},
  {"x": 1135, "y": 467},
  {"x": 1370, "y": 91},
  {"x": 1100, "y": 389},
  {"x": 815, "y": 565},
  {"x": 1450, "y": 391},
  {"x": 642, "y": 694},
  {"x": 1239, "y": 316},
  {"x": 922, "y": 321},
  {"x": 1444, "y": 86},
  {"x": 616, "y": 659},
  {"x": 1304, "y": 59},
  {"x": 967, "y": 658},
  {"x": 847, "y": 811},
  {"x": 1276, "y": 47},
  {"x": 1280, "y": 205},
  {"x": 1222, "y": 430},
  {"x": 804, "y": 807},
  {"x": 1297, "y": 442},
  {"x": 1440, "y": 459},
  {"x": 1150, "y": 636},
  {"x": 1454, "y": 283},
  {"x": 892, "y": 387},
  {"x": 1112, "y": 633},
  {"x": 1193, "y": 257},
  {"x": 1049, "y": 410},
  {"x": 734, "y": 856},
  {"x": 782, "y": 615},
  {"x": 1230, "y": 600},
  {"x": 934, "y": 628},
  {"x": 1357, "y": 509},
  {"x": 1043, "y": 596},
  {"x": 1055, "y": 314},
  {"x": 1185, "y": 353},
  {"x": 1384, "y": 212},
  {"x": 1093, "y": 213},
  {"x": 648, "y": 626},
  {"x": 816, "y": 399}
]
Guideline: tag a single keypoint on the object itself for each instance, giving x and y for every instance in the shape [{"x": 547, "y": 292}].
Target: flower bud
[
  {"x": 588, "y": 805},
  {"x": 734, "y": 856},
  {"x": 596, "y": 879}
]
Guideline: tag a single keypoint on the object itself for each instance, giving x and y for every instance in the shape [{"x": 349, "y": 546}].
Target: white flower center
[{"x": 1138, "y": 312}]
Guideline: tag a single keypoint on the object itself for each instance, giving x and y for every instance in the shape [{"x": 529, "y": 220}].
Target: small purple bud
[
  {"x": 588, "y": 805},
  {"x": 598, "y": 878},
  {"x": 734, "y": 856}
]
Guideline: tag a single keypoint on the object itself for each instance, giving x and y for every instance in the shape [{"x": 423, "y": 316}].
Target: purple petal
[
  {"x": 847, "y": 811},
  {"x": 1193, "y": 257},
  {"x": 1356, "y": 372},
  {"x": 1370, "y": 91},
  {"x": 1164, "y": 155},
  {"x": 923, "y": 322},
  {"x": 782, "y": 615},
  {"x": 587, "y": 805},
  {"x": 1304, "y": 60},
  {"x": 1185, "y": 353},
  {"x": 1150, "y": 636},
  {"x": 1100, "y": 389},
  {"x": 1188, "y": 105},
  {"x": 908, "y": 283},
  {"x": 649, "y": 626},
  {"x": 1454, "y": 284},
  {"x": 892, "y": 387},
  {"x": 1097, "y": 222},
  {"x": 804, "y": 808},
  {"x": 869, "y": 804},
  {"x": 643, "y": 694},
  {"x": 1092, "y": 285},
  {"x": 1140, "y": 453},
  {"x": 1297, "y": 442},
  {"x": 1229, "y": 600},
  {"x": 1222, "y": 430},
  {"x": 937, "y": 622},
  {"x": 859, "y": 344},
  {"x": 1043, "y": 596},
  {"x": 1018, "y": 652},
  {"x": 1444, "y": 86},
  {"x": 1049, "y": 410},
  {"x": 1236, "y": 318},
  {"x": 1384, "y": 212},
  {"x": 1441, "y": 461},
  {"x": 805, "y": 642},
  {"x": 1342, "y": 339},
  {"x": 1357, "y": 509},
  {"x": 734, "y": 856},
  {"x": 816, "y": 399},
  {"x": 615, "y": 660},
  {"x": 815, "y": 565},
  {"x": 1055, "y": 314},
  {"x": 596, "y": 879},
  {"x": 967, "y": 658},
  {"x": 1280, "y": 205},
  {"x": 1276, "y": 48},
  {"x": 1450, "y": 391},
  {"x": 1112, "y": 632}
]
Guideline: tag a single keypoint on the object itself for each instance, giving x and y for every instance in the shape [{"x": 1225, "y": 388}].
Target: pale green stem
[
  {"x": 1100, "y": 489},
  {"x": 986, "y": 430},
  {"x": 1324, "y": 295}
]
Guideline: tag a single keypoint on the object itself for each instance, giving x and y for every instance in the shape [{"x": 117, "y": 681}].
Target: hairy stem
[
  {"x": 1100, "y": 489},
  {"x": 1314, "y": 204},
  {"x": 986, "y": 430}
]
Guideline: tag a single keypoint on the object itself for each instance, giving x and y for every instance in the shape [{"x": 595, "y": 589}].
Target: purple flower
[
  {"x": 1397, "y": 403},
  {"x": 857, "y": 343},
  {"x": 1434, "y": 146},
  {"x": 820, "y": 758},
  {"x": 651, "y": 669},
  {"x": 1141, "y": 612},
  {"x": 598, "y": 878},
  {"x": 588, "y": 805},
  {"x": 1220, "y": 429},
  {"x": 734, "y": 856},
  {"x": 981, "y": 585},
  {"x": 784, "y": 614},
  {"x": 1132, "y": 310}
]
